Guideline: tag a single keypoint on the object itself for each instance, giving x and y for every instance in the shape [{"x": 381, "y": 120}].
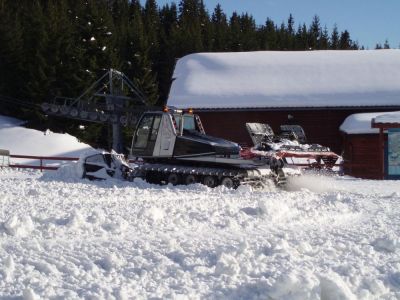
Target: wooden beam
[{"x": 382, "y": 150}]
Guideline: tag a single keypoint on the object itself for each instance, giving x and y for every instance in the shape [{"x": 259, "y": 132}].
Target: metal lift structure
[{"x": 112, "y": 99}]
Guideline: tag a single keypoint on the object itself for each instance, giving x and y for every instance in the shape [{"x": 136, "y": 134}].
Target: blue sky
[{"x": 368, "y": 21}]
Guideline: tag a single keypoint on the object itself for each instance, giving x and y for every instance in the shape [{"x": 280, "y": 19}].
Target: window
[
  {"x": 147, "y": 130},
  {"x": 96, "y": 159},
  {"x": 189, "y": 122},
  {"x": 143, "y": 131},
  {"x": 156, "y": 126}
]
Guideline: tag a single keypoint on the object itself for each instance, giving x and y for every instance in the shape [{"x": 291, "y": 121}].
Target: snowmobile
[
  {"x": 173, "y": 147},
  {"x": 290, "y": 146}
]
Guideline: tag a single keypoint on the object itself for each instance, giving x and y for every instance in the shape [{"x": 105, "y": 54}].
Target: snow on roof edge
[
  {"x": 389, "y": 118},
  {"x": 361, "y": 123}
]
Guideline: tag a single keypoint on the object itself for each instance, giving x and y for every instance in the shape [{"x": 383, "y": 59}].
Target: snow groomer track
[{"x": 232, "y": 178}]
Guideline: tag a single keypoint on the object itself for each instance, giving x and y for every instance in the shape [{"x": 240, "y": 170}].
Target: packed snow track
[{"x": 326, "y": 238}]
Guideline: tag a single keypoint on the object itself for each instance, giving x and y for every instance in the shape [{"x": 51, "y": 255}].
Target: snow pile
[
  {"x": 18, "y": 226},
  {"x": 23, "y": 141},
  {"x": 68, "y": 171},
  {"x": 333, "y": 238},
  {"x": 287, "y": 79}
]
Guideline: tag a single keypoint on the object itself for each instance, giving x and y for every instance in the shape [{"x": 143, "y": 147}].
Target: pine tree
[
  {"x": 169, "y": 29},
  {"x": 282, "y": 39},
  {"x": 151, "y": 22},
  {"x": 324, "y": 39},
  {"x": 189, "y": 37},
  {"x": 12, "y": 75},
  {"x": 315, "y": 33},
  {"x": 248, "y": 34},
  {"x": 140, "y": 69},
  {"x": 235, "y": 42},
  {"x": 290, "y": 33},
  {"x": 334, "y": 41},
  {"x": 345, "y": 43},
  {"x": 206, "y": 27},
  {"x": 220, "y": 29},
  {"x": 121, "y": 17},
  {"x": 271, "y": 42},
  {"x": 36, "y": 41},
  {"x": 386, "y": 45},
  {"x": 302, "y": 38},
  {"x": 67, "y": 77},
  {"x": 290, "y": 25}
]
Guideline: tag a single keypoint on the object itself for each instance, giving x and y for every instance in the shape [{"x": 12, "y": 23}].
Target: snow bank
[
  {"x": 24, "y": 141},
  {"x": 287, "y": 79}
]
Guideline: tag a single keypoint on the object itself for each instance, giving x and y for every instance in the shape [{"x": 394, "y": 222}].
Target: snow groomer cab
[{"x": 174, "y": 133}]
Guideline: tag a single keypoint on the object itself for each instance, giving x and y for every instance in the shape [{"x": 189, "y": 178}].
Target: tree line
[{"x": 59, "y": 47}]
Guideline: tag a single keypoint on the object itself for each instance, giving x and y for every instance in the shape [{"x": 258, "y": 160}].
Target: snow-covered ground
[
  {"x": 325, "y": 238},
  {"x": 62, "y": 237}
]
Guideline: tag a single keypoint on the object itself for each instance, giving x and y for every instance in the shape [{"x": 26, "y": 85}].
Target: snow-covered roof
[
  {"x": 361, "y": 123},
  {"x": 392, "y": 117},
  {"x": 267, "y": 79}
]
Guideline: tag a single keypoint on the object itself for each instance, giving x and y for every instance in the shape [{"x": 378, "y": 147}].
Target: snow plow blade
[{"x": 102, "y": 165}]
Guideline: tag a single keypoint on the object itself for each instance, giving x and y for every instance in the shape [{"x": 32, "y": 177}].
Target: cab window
[
  {"x": 155, "y": 127},
  {"x": 189, "y": 122},
  {"x": 147, "y": 130}
]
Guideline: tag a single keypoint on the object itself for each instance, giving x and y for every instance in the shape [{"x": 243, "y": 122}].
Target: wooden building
[
  {"x": 368, "y": 150},
  {"x": 361, "y": 147},
  {"x": 315, "y": 89}
]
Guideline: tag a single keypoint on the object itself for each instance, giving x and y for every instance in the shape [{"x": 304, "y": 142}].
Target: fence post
[
  {"x": 5, "y": 156},
  {"x": 41, "y": 165}
]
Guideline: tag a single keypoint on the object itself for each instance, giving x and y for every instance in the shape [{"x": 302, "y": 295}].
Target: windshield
[{"x": 189, "y": 122}]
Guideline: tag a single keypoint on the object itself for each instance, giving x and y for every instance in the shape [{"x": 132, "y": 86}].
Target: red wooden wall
[{"x": 361, "y": 156}]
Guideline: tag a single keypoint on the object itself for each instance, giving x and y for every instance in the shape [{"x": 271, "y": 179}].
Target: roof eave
[{"x": 222, "y": 109}]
